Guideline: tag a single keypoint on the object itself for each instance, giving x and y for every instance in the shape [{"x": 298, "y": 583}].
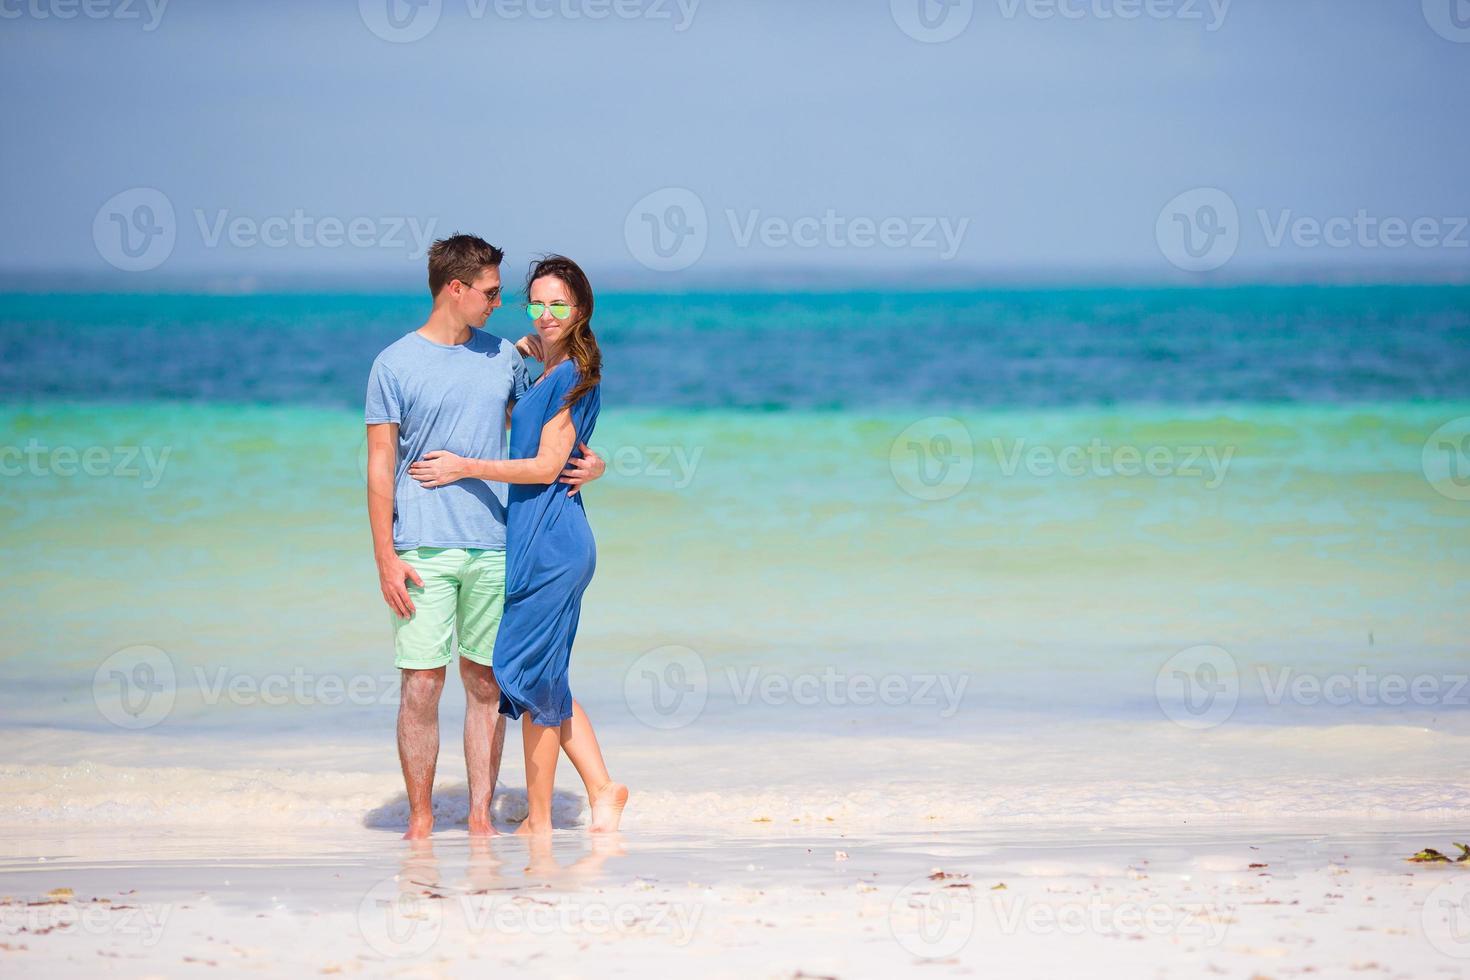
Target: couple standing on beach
[{"x": 481, "y": 548}]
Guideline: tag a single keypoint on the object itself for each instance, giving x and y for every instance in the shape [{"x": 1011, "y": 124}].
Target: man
[{"x": 441, "y": 551}]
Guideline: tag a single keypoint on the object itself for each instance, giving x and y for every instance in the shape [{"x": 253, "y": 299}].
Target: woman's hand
[
  {"x": 438, "y": 468},
  {"x": 582, "y": 469},
  {"x": 532, "y": 346}
]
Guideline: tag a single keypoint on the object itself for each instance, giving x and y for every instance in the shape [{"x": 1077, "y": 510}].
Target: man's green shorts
[{"x": 464, "y": 593}]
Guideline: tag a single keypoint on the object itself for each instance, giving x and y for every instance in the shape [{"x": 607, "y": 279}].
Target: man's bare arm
[{"x": 382, "y": 443}]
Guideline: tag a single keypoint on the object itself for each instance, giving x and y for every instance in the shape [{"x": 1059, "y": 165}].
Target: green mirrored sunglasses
[{"x": 559, "y": 310}]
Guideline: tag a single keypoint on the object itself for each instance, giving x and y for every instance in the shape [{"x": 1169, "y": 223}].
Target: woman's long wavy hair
[{"x": 581, "y": 344}]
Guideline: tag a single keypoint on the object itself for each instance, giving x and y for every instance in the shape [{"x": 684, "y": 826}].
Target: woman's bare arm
[{"x": 558, "y": 436}]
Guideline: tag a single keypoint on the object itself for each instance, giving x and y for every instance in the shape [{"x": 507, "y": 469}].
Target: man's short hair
[{"x": 461, "y": 257}]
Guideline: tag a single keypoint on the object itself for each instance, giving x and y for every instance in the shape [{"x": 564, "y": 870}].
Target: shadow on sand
[{"x": 452, "y": 809}]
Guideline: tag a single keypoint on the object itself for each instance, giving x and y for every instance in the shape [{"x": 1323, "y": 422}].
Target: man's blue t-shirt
[{"x": 450, "y": 398}]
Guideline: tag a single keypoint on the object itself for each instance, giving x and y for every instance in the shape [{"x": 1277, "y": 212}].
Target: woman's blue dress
[{"x": 549, "y": 559}]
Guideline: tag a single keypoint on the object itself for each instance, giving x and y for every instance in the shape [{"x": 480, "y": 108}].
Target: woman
[{"x": 550, "y": 553}]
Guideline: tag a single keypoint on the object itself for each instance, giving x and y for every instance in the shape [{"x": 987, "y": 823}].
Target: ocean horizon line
[{"x": 857, "y": 280}]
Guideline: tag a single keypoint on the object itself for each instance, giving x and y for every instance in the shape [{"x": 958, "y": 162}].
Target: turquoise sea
[
  {"x": 848, "y": 477},
  {"x": 933, "y": 515}
]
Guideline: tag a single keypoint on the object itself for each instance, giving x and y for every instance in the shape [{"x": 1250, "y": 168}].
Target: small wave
[{"x": 95, "y": 794}]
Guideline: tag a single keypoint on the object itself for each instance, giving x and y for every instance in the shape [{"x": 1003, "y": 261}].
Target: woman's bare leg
[
  {"x": 541, "y": 747},
  {"x": 605, "y": 797}
]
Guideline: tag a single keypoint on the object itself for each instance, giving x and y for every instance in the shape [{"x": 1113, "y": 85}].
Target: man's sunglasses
[
  {"x": 491, "y": 294},
  {"x": 559, "y": 310}
]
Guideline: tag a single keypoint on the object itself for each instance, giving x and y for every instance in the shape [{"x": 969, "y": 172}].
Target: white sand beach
[
  {"x": 1167, "y": 901},
  {"x": 1116, "y": 851}
]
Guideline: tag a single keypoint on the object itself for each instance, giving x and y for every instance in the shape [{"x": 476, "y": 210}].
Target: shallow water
[{"x": 941, "y": 563}]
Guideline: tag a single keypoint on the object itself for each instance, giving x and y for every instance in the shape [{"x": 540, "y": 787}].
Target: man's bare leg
[
  {"x": 605, "y": 798},
  {"x": 418, "y": 745},
  {"x": 484, "y": 741}
]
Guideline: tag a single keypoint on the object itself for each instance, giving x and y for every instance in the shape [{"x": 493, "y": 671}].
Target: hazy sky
[{"x": 701, "y": 138}]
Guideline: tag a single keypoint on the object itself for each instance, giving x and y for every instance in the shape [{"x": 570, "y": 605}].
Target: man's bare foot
[
  {"x": 419, "y": 827},
  {"x": 607, "y": 808},
  {"x": 529, "y": 829},
  {"x": 480, "y": 826}
]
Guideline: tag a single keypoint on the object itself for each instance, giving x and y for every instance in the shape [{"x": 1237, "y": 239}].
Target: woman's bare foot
[
  {"x": 419, "y": 826},
  {"x": 528, "y": 829},
  {"x": 607, "y": 807}
]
